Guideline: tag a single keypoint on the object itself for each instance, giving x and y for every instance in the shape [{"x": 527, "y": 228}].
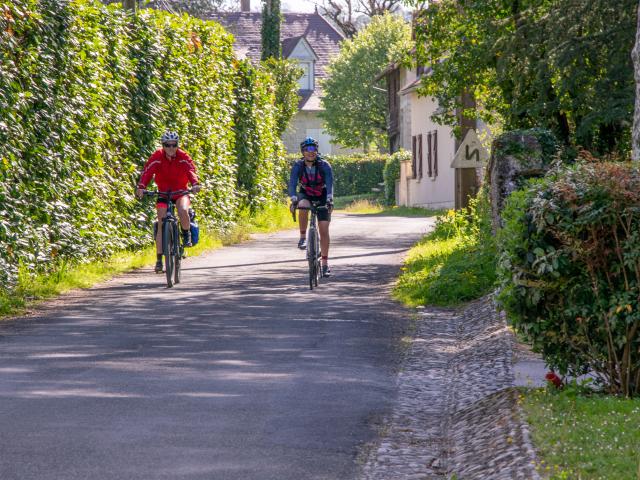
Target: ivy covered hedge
[{"x": 85, "y": 92}]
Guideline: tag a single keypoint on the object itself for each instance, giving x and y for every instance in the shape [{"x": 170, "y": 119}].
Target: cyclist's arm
[
  {"x": 328, "y": 179},
  {"x": 293, "y": 179},
  {"x": 148, "y": 171}
]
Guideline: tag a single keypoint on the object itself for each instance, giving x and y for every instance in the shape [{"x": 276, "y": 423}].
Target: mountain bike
[
  {"x": 314, "y": 255},
  {"x": 172, "y": 247}
]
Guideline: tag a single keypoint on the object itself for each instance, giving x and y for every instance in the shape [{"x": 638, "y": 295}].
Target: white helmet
[{"x": 169, "y": 136}]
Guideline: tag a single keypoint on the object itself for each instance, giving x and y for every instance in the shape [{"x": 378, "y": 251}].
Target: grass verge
[
  {"x": 451, "y": 265},
  {"x": 31, "y": 289},
  {"x": 367, "y": 205},
  {"x": 587, "y": 437}
]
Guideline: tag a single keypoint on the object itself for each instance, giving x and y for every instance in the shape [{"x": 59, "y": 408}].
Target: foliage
[
  {"x": 583, "y": 436},
  {"x": 85, "y": 92},
  {"x": 271, "y": 20},
  {"x": 569, "y": 271},
  {"x": 391, "y": 174},
  {"x": 355, "y": 112},
  {"x": 285, "y": 76},
  {"x": 343, "y": 12},
  {"x": 453, "y": 264},
  {"x": 356, "y": 174},
  {"x": 562, "y": 65},
  {"x": 258, "y": 148}
]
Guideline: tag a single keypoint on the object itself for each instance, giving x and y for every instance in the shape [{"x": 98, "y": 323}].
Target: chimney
[{"x": 245, "y": 5}]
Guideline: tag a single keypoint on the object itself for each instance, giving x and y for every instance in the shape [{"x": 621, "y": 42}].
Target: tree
[
  {"x": 563, "y": 65},
  {"x": 344, "y": 13},
  {"x": 286, "y": 74},
  {"x": 271, "y": 19},
  {"x": 355, "y": 108}
]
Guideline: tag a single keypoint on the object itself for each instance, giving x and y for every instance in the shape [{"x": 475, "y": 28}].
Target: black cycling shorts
[{"x": 324, "y": 215}]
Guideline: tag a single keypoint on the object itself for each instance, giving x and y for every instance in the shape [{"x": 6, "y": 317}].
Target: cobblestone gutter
[{"x": 457, "y": 414}]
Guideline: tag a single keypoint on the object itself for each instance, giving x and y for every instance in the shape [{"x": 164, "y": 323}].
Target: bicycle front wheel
[
  {"x": 167, "y": 251},
  {"x": 312, "y": 249}
]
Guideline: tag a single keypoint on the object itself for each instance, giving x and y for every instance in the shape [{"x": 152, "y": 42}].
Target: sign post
[{"x": 469, "y": 156}]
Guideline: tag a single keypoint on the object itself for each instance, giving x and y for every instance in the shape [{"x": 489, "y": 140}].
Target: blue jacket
[{"x": 323, "y": 168}]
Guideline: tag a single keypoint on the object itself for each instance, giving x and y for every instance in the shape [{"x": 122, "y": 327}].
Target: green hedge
[
  {"x": 352, "y": 174},
  {"x": 85, "y": 92},
  {"x": 569, "y": 271},
  {"x": 391, "y": 174}
]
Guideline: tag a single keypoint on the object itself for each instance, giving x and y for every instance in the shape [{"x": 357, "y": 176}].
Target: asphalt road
[{"x": 239, "y": 372}]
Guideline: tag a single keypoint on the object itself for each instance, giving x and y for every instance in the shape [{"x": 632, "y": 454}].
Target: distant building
[{"x": 311, "y": 40}]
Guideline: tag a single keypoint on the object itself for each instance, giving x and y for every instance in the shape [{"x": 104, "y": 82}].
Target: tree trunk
[
  {"x": 635, "y": 54},
  {"x": 129, "y": 4}
]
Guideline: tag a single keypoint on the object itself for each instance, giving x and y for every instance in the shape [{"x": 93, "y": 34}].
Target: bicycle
[
  {"x": 172, "y": 250},
  {"x": 314, "y": 255}
]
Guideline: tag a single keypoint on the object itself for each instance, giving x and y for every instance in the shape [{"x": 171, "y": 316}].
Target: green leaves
[
  {"x": 85, "y": 92},
  {"x": 355, "y": 111},
  {"x": 569, "y": 270}
]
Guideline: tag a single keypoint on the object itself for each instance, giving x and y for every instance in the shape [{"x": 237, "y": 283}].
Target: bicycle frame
[
  {"x": 314, "y": 254},
  {"x": 172, "y": 247}
]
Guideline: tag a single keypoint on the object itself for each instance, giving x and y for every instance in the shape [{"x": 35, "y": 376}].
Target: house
[
  {"x": 307, "y": 38},
  {"x": 427, "y": 180}
]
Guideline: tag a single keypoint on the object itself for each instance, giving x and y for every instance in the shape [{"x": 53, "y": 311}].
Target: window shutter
[
  {"x": 420, "y": 155},
  {"x": 429, "y": 158},
  {"x": 413, "y": 157},
  {"x": 435, "y": 153}
]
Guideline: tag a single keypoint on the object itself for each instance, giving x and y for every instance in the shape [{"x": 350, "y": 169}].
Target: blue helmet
[{"x": 308, "y": 142}]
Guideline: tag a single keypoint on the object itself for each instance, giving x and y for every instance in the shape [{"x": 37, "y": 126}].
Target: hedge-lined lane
[{"x": 85, "y": 92}]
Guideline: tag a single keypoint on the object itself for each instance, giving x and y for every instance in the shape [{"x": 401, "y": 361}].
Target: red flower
[{"x": 552, "y": 378}]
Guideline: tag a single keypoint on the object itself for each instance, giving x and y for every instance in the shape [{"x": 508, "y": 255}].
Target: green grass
[
  {"x": 34, "y": 288},
  {"x": 371, "y": 205},
  {"x": 452, "y": 265},
  {"x": 340, "y": 203},
  {"x": 584, "y": 437}
]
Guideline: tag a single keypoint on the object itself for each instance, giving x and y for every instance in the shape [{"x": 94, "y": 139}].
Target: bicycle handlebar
[{"x": 155, "y": 193}]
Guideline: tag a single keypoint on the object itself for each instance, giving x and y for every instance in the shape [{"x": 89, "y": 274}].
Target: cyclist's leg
[
  {"x": 182, "y": 205},
  {"x": 325, "y": 240},
  {"x": 303, "y": 219}
]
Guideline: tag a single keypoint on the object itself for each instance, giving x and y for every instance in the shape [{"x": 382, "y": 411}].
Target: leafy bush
[
  {"x": 569, "y": 271},
  {"x": 356, "y": 174},
  {"x": 391, "y": 174},
  {"x": 85, "y": 92}
]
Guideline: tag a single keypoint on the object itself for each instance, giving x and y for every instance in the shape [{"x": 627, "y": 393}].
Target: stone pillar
[
  {"x": 515, "y": 157},
  {"x": 635, "y": 134},
  {"x": 245, "y": 5}
]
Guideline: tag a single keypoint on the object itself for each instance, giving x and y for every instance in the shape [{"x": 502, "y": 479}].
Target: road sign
[{"x": 471, "y": 153}]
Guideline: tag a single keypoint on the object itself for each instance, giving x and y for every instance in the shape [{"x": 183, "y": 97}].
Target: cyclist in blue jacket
[{"x": 315, "y": 178}]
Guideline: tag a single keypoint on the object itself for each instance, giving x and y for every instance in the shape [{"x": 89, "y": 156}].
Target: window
[{"x": 306, "y": 82}]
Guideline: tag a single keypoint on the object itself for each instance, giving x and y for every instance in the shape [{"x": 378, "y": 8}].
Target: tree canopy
[
  {"x": 559, "y": 64},
  {"x": 351, "y": 15},
  {"x": 355, "y": 107}
]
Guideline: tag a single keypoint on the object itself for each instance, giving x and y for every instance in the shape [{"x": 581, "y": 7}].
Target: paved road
[{"x": 238, "y": 373}]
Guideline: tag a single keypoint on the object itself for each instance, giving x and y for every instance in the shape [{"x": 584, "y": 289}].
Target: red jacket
[{"x": 170, "y": 174}]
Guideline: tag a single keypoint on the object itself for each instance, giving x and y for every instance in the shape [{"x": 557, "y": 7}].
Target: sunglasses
[
  {"x": 310, "y": 149},
  {"x": 170, "y": 145}
]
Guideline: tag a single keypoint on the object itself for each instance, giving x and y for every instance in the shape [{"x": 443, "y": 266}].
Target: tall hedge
[
  {"x": 85, "y": 92},
  {"x": 357, "y": 174},
  {"x": 569, "y": 270}
]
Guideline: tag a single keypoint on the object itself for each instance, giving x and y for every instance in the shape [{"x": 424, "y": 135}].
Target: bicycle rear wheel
[
  {"x": 177, "y": 247},
  {"x": 167, "y": 251}
]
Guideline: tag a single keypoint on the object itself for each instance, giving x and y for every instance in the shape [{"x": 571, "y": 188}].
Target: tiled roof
[{"x": 320, "y": 34}]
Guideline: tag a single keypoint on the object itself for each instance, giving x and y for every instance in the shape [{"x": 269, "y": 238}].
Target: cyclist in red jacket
[{"x": 172, "y": 169}]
